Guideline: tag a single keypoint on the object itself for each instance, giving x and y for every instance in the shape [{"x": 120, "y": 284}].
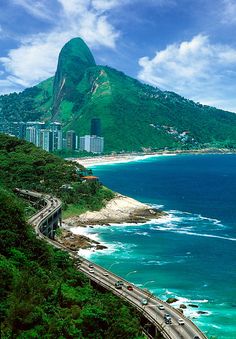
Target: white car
[
  {"x": 91, "y": 271},
  {"x": 180, "y": 321},
  {"x": 161, "y": 307},
  {"x": 105, "y": 274}
]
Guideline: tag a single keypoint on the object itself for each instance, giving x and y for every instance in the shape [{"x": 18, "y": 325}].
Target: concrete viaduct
[{"x": 48, "y": 219}]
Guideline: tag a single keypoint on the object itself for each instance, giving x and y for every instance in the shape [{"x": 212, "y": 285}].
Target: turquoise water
[{"x": 190, "y": 253}]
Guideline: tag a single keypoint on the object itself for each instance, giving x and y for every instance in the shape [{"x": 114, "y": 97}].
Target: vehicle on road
[
  {"x": 120, "y": 282},
  {"x": 180, "y": 321},
  {"x": 91, "y": 271},
  {"x": 91, "y": 266},
  {"x": 168, "y": 321},
  {"x": 161, "y": 307},
  {"x": 144, "y": 301},
  {"x": 129, "y": 287},
  {"x": 167, "y": 316},
  {"x": 105, "y": 274},
  {"x": 118, "y": 286},
  {"x": 196, "y": 337}
]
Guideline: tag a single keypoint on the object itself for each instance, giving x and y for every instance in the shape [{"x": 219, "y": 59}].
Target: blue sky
[{"x": 185, "y": 46}]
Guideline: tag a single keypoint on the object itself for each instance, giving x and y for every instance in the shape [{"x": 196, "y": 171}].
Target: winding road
[{"x": 107, "y": 279}]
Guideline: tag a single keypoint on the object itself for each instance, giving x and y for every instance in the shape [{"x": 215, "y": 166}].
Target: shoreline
[
  {"x": 120, "y": 211},
  {"x": 113, "y": 159}
]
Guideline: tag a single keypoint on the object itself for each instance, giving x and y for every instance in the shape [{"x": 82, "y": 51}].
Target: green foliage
[
  {"x": 25, "y": 166},
  {"x": 134, "y": 116},
  {"x": 43, "y": 295}
]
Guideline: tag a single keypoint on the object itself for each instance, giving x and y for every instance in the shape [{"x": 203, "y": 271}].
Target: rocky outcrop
[
  {"x": 75, "y": 242},
  {"x": 182, "y": 306},
  {"x": 120, "y": 209},
  {"x": 171, "y": 300}
]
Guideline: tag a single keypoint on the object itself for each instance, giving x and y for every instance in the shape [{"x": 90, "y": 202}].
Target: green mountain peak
[{"x": 74, "y": 58}]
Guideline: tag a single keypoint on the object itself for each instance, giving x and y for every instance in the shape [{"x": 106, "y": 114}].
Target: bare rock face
[
  {"x": 118, "y": 210},
  {"x": 193, "y": 305},
  {"x": 182, "y": 306},
  {"x": 75, "y": 242},
  {"x": 171, "y": 300}
]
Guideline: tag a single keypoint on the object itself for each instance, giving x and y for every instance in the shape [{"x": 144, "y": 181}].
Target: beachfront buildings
[
  {"x": 92, "y": 143},
  {"x": 50, "y": 136}
]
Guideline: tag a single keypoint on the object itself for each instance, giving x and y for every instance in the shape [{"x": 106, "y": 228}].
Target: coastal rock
[
  {"x": 171, "y": 300},
  {"x": 193, "y": 305},
  {"x": 202, "y": 312},
  {"x": 120, "y": 209},
  {"x": 182, "y": 306},
  {"x": 180, "y": 310},
  {"x": 75, "y": 242}
]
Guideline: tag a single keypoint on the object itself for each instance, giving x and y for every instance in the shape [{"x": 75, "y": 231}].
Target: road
[{"x": 108, "y": 279}]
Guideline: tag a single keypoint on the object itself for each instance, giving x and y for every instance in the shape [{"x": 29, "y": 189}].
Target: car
[
  {"x": 144, "y": 301},
  {"x": 168, "y": 321},
  {"x": 161, "y": 307},
  {"x": 118, "y": 286},
  {"x": 167, "y": 316},
  {"x": 129, "y": 287},
  {"x": 105, "y": 274},
  {"x": 196, "y": 337},
  {"x": 120, "y": 282},
  {"x": 91, "y": 265},
  {"x": 180, "y": 321},
  {"x": 91, "y": 271}
]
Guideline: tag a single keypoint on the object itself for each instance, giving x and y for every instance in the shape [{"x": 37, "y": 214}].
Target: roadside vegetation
[
  {"x": 25, "y": 166},
  {"x": 43, "y": 295}
]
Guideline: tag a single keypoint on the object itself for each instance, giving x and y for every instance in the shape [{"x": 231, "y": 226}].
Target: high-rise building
[
  {"x": 92, "y": 143},
  {"x": 96, "y": 144},
  {"x": 84, "y": 143},
  {"x": 56, "y": 129},
  {"x": 95, "y": 127},
  {"x": 46, "y": 139},
  {"x": 31, "y": 134},
  {"x": 70, "y": 140},
  {"x": 33, "y": 129}
]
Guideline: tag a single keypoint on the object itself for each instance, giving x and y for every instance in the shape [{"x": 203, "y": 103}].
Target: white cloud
[
  {"x": 229, "y": 12},
  {"x": 36, "y": 8},
  {"x": 36, "y": 57},
  {"x": 196, "y": 69}
]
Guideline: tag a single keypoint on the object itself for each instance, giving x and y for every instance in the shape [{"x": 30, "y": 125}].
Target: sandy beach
[
  {"x": 130, "y": 157},
  {"x": 116, "y": 159}
]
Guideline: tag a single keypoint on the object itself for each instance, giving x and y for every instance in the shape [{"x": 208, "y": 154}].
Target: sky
[{"x": 185, "y": 46}]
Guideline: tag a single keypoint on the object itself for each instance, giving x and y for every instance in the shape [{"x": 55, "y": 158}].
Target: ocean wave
[
  {"x": 206, "y": 235},
  {"x": 143, "y": 233}
]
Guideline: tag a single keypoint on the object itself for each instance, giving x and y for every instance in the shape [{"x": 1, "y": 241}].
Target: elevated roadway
[{"x": 152, "y": 308}]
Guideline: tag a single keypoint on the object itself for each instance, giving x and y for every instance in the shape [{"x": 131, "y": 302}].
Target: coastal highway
[{"x": 107, "y": 279}]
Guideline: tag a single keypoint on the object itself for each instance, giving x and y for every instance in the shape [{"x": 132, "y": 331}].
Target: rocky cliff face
[{"x": 74, "y": 58}]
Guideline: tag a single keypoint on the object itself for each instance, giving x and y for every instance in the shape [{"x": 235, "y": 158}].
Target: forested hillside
[
  {"x": 134, "y": 116},
  {"x": 42, "y": 294}
]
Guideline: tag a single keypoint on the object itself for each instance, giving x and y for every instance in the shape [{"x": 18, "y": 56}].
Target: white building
[{"x": 92, "y": 143}]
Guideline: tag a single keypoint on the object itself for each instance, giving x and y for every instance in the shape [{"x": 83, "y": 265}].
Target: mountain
[{"x": 134, "y": 116}]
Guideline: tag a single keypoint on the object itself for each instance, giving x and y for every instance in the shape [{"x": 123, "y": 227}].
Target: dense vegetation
[
  {"x": 23, "y": 165},
  {"x": 43, "y": 295},
  {"x": 134, "y": 116}
]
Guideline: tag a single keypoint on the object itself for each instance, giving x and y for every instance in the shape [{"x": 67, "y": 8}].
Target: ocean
[{"x": 190, "y": 253}]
